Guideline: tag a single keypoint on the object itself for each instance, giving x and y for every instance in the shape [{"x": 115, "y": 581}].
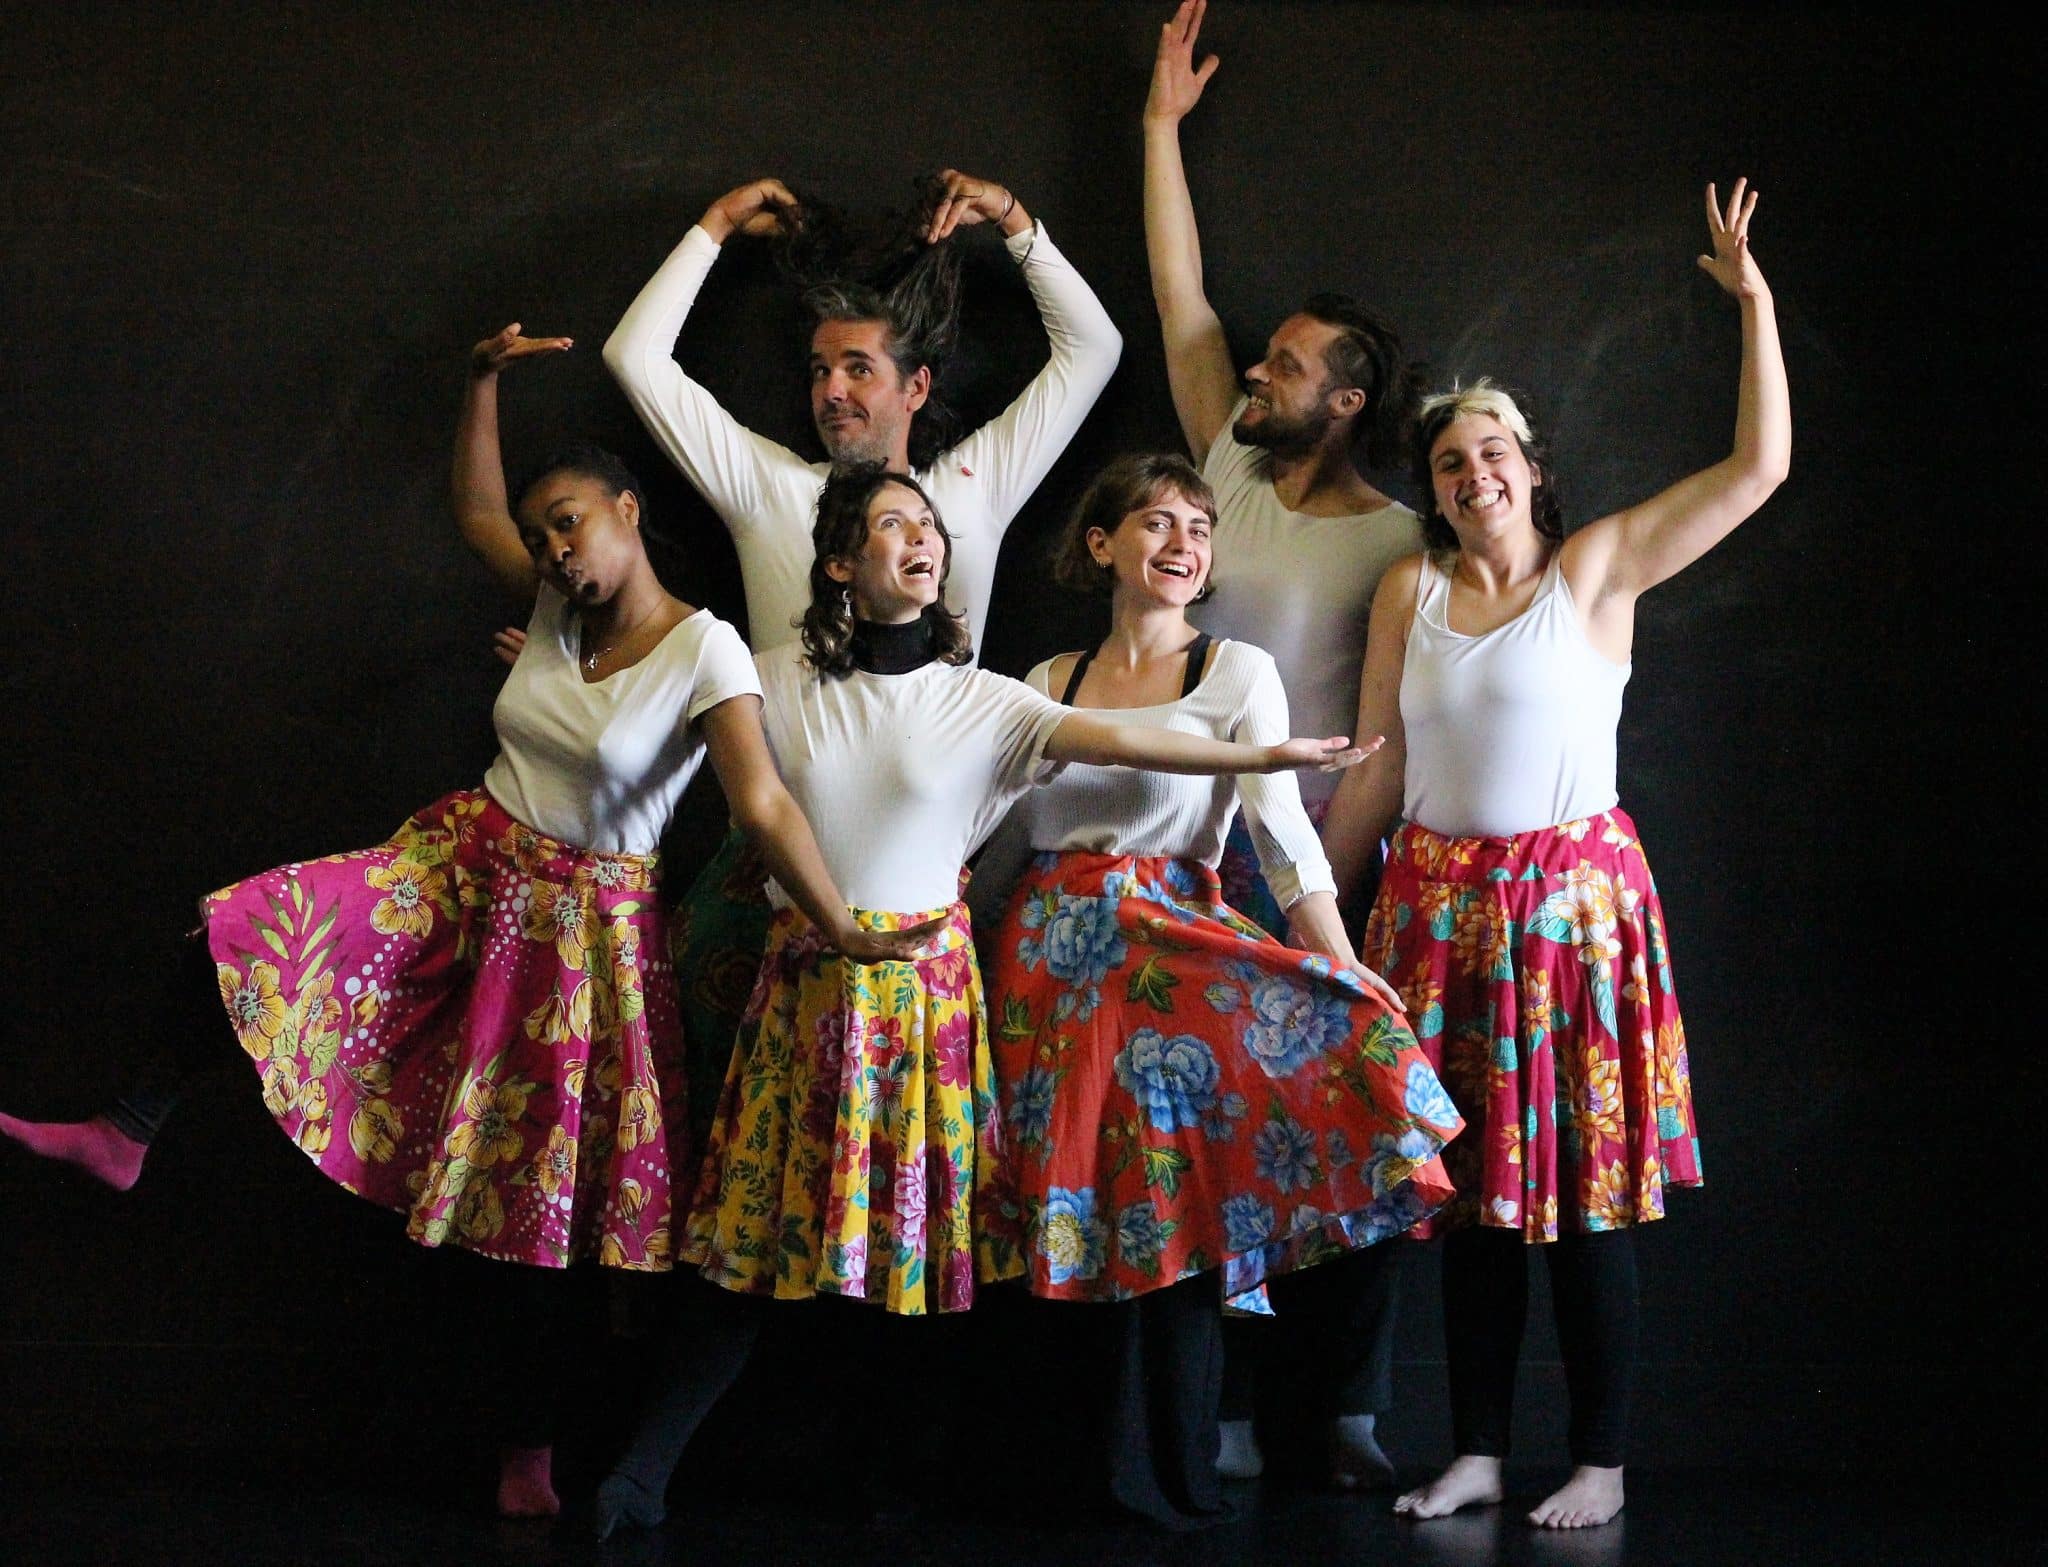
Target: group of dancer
[{"x": 1174, "y": 1077}]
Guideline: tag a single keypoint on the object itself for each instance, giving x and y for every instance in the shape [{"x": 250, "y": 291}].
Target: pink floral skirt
[
  {"x": 474, "y": 1025},
  {"x": 1537, "y": 975}
]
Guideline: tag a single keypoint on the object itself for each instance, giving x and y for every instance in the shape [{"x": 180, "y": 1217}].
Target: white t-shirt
[
  {"x": 767, "y": 496},
  {"x": 1298, "y": 586},
  {"x": 1124, "y": 810},
  {"x": 601, "y": 764},
  {"x": 902, "y": 775}
]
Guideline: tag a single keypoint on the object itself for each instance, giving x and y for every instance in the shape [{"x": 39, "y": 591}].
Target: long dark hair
[
  {"x": 1438, "y": 414},
  {"x": 1366, "y": 354},
  {"x": 1128, "y": 484},
  {"x": 882, "y": 270},
  {"x": 841, "y": 533}
]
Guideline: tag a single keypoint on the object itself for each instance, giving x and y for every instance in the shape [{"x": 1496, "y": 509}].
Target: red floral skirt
[
  {"x": 1537, "y": 974},
  {"x": 1183, "y": 1093},
  {"x": 474, "y": 1025}
]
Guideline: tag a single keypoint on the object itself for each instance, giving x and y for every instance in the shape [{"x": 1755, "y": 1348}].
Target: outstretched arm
[
  {"x": 1632, "y": 551},
  {"x": 729, "y": 465},
  {"x": 476, "y": 491},
  {"x": 768, "y": 814},
  {"x": 1080, "y": 738},
  {"x": 1198, "y": 368}
]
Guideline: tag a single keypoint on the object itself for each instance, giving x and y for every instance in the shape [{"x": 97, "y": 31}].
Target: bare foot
[
  {"x": 526, "y": 1487},
  {"x": 1357, "y": 1460},
  {"x": 1237, "y": 1454},
  {"x": 97, "y": 1147},
  {"x": 1591, "y": 1497},
  {"x": 1470, "y": 1481}
]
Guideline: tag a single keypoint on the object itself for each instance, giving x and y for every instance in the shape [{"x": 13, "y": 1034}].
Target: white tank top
[{"x": 1511, "y": 730}]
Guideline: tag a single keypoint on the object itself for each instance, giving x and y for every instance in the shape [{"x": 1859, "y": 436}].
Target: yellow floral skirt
[
  {"x": 474, "y": 1025},
  {"x": 856, "y": 1151}
]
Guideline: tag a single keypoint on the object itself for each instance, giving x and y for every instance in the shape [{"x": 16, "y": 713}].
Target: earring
[{"x": 846, "y": 603}]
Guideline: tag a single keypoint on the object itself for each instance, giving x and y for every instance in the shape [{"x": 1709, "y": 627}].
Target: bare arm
[
  {"x": 476, "y": 491},
  {"x": 1198, "y": 368},
  {"x": 1080, "y": 738},
  {"x": 1368, "y": 797},
  {"x": 1630, "y": 552},
  {"x": 1314, "y": 924},
  {"x": 772, "y": 820}
]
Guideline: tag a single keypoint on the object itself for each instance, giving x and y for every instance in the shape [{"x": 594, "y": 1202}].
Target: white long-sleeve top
[
  {"x": 767, "y": 496},
  {"x": 1299, "y": 586},
  {"x": 1122, "y": 810},
  {"x": 902, "y": 776},
  {"x": 602, "y": 763}
]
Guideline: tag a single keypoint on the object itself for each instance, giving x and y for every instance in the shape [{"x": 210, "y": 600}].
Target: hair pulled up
[
  {"x": 1129, "y": 483},
  {"x": 1439, "y": 413},
  {"x": 841, "y": 533},
  {"x": 588, "y": 460},
  {"x": 1367, "y": 354}
]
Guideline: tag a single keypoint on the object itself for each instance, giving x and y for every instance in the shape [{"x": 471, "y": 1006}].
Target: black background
[{"x": 244, "y": 255}]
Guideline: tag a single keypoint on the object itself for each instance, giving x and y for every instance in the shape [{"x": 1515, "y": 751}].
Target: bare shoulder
[{"x": 1058, "y": 671}]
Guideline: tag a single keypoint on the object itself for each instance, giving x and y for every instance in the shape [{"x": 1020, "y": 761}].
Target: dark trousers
[
  {"x": 1594, "y": 1299},
  {"x": 186, "y": 1026},
  {"x": 1329, "y": 1349}
]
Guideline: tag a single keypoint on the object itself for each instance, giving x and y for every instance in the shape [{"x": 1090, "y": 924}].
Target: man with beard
[{"x": 1302, "y": 538}]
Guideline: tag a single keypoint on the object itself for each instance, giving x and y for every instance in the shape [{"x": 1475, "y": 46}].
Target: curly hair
[
  {"x": 841, "y": 533},
  {"x": 1437, "y": 414},
  {"x": 1366, "y": 353},
  {"x": 1130, "y": 483}
]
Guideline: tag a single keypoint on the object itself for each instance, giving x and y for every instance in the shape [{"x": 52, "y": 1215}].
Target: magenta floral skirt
[
  {"x": 1537, "y": 975},
  {"x": 474, "y": 1025}
]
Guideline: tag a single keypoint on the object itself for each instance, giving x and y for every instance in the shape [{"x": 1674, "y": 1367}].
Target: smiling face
[
  {"x": 1482, "y": 480},
  {"x": 1294, "y": 401},
  {"x": 860, "y": 402},
  {"x": 584, "y": 540},
  {"x": 1160, "y": 553},
  {"x": 901, "y": 568}
]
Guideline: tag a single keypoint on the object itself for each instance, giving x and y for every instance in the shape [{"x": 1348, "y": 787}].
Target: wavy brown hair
[
  {"x": 1130, "y": 483},
  {"x": 841, "y": 533}
]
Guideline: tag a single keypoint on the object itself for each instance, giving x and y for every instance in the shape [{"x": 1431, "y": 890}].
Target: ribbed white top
[
  {"x": 1510, "y": 730},
  {"x": 1121, "y": 810}
]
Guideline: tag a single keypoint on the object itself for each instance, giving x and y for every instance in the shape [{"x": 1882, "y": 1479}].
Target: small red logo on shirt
[{"x": 966, "y": 472}]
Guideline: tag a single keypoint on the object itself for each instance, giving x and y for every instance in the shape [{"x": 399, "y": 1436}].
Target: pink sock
[
  {"x": 96, "y": 1147},
  {"x": 526, "y": 1487}
]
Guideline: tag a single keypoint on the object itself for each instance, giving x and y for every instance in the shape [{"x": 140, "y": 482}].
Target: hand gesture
[
  {"x": 1325, "y": 756},
  {"x": 509, "y": 644},
  {"x": 958, "y": 199},
  {"x": 859, "y": 945},
  {"x": 494, "y": 353},
  {"x": 1176, "y": 83},
  {"x": 757, "y": 208},
  {"x": 1378, "y": 987},
  {"x": 1731, "y": 265}
]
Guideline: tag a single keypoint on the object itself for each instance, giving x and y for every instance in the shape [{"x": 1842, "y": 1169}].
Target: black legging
[
  {"x": 187, "y": 1028},
  {"x": 1486, "y": 1301},
  {"x": 1331, "y": 1343}
]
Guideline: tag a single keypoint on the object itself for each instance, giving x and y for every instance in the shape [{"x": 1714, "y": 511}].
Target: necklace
[{"x": 596, "y": 655}]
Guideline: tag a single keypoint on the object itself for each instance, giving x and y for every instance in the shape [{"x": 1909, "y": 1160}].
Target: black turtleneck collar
[{"x": 892, "y": 650}]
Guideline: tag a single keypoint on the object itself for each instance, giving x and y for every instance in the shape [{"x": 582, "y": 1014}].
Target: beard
[
  {"x": 863, "y": 441},
  {"x": 1285, "y": 435}
]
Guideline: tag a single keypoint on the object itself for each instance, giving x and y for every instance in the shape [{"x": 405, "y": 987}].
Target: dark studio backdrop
[{"x": 246, "y": 250}]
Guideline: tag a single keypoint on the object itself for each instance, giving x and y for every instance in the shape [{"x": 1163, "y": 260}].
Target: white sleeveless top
[
  {"x": 601, "y": 763},
  {"x": 1511, "y": 730}
]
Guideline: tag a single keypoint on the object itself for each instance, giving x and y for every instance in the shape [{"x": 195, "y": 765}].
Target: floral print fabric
[
  {"x": 1183, "y": 1093},
  {"x": 1537, "y": 973},
  {"x": 472, "y": 1024},
  {"x": 856, "y": 1146},
  {"x": 716, "y": 935}
]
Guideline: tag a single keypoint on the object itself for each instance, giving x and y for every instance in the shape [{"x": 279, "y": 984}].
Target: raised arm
[
  {"x": 476, "y": 489},
  {"x": 729, "y": 465},
  {"x": 1198, "y": 369},
  {"x": 1014, "y": 451},
  {"x": 772, "y": 820},
  {"x": 1632, "y": 551},
  {"x": 1368, "y": 798},
  {"x": 1080, "y": 738}
]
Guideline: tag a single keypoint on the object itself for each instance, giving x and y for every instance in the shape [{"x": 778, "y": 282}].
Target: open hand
[
  {"x": 962, "y": 199},
  {"x": 757, "y": 208},
  {"x": 860, "y": 945},
  {"x": 1332, "y": 755},
  {"x": 1378, "y": 987},
  {"x": 1731, "y": 265},
  {"x": 495, "y": 352},
  {"x": 1176, "y": 83},
  {"x": 508, "y": 644}
]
